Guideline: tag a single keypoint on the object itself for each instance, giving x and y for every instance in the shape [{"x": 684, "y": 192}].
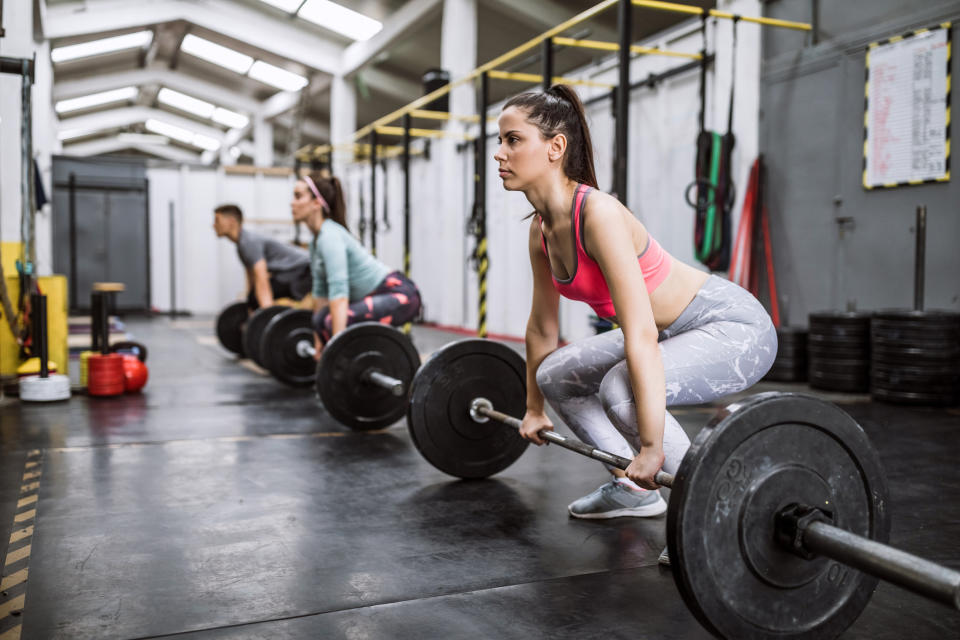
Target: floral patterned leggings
[{"x": 395, "y": 301}]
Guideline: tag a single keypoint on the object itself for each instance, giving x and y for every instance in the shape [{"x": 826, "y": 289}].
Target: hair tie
[{"x": 316, "y": 192}]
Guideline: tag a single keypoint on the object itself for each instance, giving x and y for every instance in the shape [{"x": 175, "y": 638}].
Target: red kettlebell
[{"x": 135, "y": 374}]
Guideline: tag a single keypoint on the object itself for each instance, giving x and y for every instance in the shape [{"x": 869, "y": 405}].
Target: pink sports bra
[{"x": 587, "y": 283}]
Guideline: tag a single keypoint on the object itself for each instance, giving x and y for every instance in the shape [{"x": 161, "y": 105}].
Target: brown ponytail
[
  {"x": 559, "y": 110},
  {"x": 331, "y": 190}
]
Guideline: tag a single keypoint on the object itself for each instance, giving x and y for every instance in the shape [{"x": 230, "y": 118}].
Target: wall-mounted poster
[{"x": 907, "y": 119}]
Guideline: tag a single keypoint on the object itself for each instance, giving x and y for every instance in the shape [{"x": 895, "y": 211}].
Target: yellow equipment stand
[{"x": 55, "y": 288}]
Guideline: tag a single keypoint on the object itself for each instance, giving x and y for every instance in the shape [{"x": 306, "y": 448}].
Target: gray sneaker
[
  {"x": 664, "y": 558},
  {"x": 614, "y": 499}
]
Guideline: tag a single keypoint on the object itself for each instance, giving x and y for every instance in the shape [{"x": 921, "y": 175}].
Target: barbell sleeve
[
  {"x": 662, "y": 478},
  {"x": 386, "y": 382},
  {"x": 885, "y": 562}
]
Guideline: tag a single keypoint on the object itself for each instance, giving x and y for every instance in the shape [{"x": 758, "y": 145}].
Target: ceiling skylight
[
  {"x": 277, "y": 77},
  {"x": 186, "y": 103},
  {"x": 104, "y": 45},
  {"x": 335, "y": 17},
  {"x": 229, "y": 118},
  {"x": 96, "y": 99},
  {"x": 217, "y": 54}
]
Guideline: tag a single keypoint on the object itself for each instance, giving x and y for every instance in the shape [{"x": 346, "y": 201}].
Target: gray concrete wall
[{"x": 835, "y": 243}]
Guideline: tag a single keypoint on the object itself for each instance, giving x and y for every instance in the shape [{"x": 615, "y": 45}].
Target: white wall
[{"x": 208, "y": 272}]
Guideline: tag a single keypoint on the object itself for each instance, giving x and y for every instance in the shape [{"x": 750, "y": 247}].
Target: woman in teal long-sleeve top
[{"x": 349, "y": 284}]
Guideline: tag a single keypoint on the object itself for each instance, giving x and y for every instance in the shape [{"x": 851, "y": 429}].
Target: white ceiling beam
[
  {"x": 284, "y": 101},
  {"x": 394, "y": 86},
  {"x": 308, "y": 127},
  {"x": 126, "y": 116},
  {"x": 160, "y": 75},
  {"x": 113, "y": 144},
  {"x": 410, "y": 16},
  {"x": 541, "y": 15},
  {"x": 243, "y": 23}
]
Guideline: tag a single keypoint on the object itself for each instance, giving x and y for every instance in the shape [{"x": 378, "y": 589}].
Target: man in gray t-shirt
[{"x": 274, "y": 269}]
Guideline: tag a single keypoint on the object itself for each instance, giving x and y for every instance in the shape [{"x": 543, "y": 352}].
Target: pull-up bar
[{"x": 613, "y": 46}]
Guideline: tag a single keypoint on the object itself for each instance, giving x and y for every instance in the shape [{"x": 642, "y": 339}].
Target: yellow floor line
[
  {"x": 29, "y": 487},
  {"x": 11, "y": 605},
  {"x": 13, "y": 580},
  {"x": 26, "y": 515},
  {"x": 17, "y": 556},
  {"x": 11, "y": 634},
  {"x": 17, "y": 536},
  {"x": 25, "y": 501}
]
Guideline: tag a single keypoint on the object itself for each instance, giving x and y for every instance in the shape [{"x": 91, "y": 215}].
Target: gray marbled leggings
[{"x": 723, "y": 342}]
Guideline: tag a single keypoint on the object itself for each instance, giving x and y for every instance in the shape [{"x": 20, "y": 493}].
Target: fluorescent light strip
[
  {"x": 217, "y": 54},
  {"x": 335, "y": 17},
  {"x": 169, "y": 130},
  {"x": 142, "y": 138},
  {"x": 229, "y": 118},
  {"x": 96, "y": 99},
  {"x": 186, "y": 103},
  {"x": 205, "y": 142},
  {"x": 277, "y": 77},
  {"x": 104, "y": 45},
  {"x": 183, "y": 135}
]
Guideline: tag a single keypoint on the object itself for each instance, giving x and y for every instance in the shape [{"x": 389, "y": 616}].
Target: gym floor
[{"x": 221, "y": 504}]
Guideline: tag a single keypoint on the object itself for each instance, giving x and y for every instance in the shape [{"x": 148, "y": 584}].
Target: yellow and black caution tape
[{"x": 13, "y": 578}]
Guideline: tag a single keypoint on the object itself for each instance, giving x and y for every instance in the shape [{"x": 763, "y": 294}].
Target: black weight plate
[
  {"x": 791, "y": 349},
  {"x": 785, "y": 376},
  {"x": 439, "y": 413},
  {"x": 253, "y": 331},
  {"x": 839, "y": 341},
  {"x": 909, "y": 317},
  {"x": 906, "y": 354},
  {"x": 840, "y": 318},
  {"x": 130, "y": 347},
  {"x": 785, "y": 362},
  {"x": 753, "y": 459},
  {"x": 826, "y": 351},
  {"x": 919, "y": 336},
  {"x": 917, "y": 369},
  {"x": 279, "y": 351},
  {"x": 839, "y": 367},
  {"x": 348, "y": 356},
  {"x": 230, "y": 326},
  {"x": 852, "y": 383},
  {"x": 915, "y": 397}
]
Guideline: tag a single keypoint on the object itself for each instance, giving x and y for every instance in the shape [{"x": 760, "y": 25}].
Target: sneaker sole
[{"x": 646, "y": 511}]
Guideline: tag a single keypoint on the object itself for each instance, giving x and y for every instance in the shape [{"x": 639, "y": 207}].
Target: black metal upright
[
  {"x": 625, "y": 26},
  {"x": 38, "y": 306},
  {"x": 406, "y": 194},
  {"x": 480, "y": 200},
  {"x": 546, "y": 62},
  {"x": 373, "y": 192}
]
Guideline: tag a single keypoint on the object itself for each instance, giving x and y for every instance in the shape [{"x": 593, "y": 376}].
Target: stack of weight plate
[
  {"x": 838, "y": 348},
  {"x": 916, "y": 357},
  {"x": 791, "y": 362}
]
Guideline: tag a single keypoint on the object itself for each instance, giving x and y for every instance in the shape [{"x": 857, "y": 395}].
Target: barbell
[
  {"x": 362, "y": 378},
  {"x": 777, "y": 524}
]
